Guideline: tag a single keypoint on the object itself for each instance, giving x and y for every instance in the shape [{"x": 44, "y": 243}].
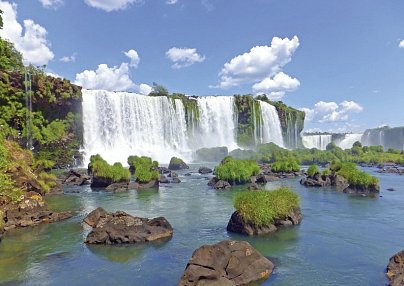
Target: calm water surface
[{"x": 343, "y": 240}]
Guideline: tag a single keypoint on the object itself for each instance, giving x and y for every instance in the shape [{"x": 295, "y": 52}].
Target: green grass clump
[
  {"x": 100, "y": 168},
  {"x": 145, "y": 168},
  {"x": 326, "y": 172},
  {"x": 263, "y": 207},
  {"x": 355, "y": 177},
  {"x": 236, "y": 171},
  {"x": 288, "y": 166},
  {"x": 312, "y": 170}
]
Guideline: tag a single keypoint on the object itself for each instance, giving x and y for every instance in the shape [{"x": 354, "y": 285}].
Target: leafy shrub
[
  {"x": 236, "y": 171},
  {"x": 263, "y": 207},
  {"x": 326, "y": 172},
  {"x": 312, "y": 170},
  {"x": 288, "y": 166},
  {"x": 145, "y": 168},
  {"x": 100, "y": 168}
]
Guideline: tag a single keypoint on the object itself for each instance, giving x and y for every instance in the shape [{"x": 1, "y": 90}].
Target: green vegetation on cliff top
[{"x": 263, "y": 207}]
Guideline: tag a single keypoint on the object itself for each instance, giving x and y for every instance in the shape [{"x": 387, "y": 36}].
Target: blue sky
[{"x": 339, "y": 60}]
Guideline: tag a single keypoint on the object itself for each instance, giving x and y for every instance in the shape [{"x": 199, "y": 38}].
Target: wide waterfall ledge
[{"x": 119, "y": 124}]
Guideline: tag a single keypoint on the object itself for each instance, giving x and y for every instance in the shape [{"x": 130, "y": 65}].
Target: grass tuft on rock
[
  {"x": 236, "y": 171},
  {"x": 355, "y": 177},
  {"x": 115, "y": 173},
  {"x": 264, "y": 207},
  {"x": 144, "y": 168}
]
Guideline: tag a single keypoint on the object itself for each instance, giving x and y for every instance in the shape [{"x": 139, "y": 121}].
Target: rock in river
[
  {"x": 226, "y": 263},
  {"x": 395, "y": 269},
  {"x": 122, "y": 228}
]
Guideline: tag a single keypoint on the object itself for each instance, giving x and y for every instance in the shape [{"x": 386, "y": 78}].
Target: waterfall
[
  {"x": 217, "y": 122},
  {"x": 316, "y": 141},
  {"x": 349, "y": 140},
  {"x": 120, "y": 124},
  {"x": 269, "y": 129}
]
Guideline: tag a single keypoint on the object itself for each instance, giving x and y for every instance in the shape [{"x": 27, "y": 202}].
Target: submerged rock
[
  {"x": 205, "y": 170},
  {"x": 226, "y": 263},
  {"x": 118, "y": 187},
  {"x": 122, "y": 228},
  {"x": 176, "y": 180},
  {"x": 395, "y": 269},
  {"x": 163, "y": 180},
  {"x": 238, "y": 224}
]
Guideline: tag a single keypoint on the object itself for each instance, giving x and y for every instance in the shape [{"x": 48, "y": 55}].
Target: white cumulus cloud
[
  {"x": 325, "y": 112},
  {"x": 171, "y": 2},
  {"x": 401, "y": 44},
  {"x": 259, "y": 63},
  {"x": 68, "y": 59},
  {"x": 276, "y": 86},
  {"x": 183, "y": 57},
  {"x": 31, "y": 40},
  {"x": 104, "y": 77},
  {"x": 144, "y": 89},
  {"x": 51, "y": 4},
  {"x": 111, "y": 5},
  {"x": 134, "y": 58}
]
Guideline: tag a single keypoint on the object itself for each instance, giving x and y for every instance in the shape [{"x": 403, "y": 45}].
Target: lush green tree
[{"x": 158, "y": 90}]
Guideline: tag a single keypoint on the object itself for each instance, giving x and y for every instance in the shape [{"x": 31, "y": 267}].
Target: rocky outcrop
[
  {"x": 395, "y": 269},
  {"x": 153, "y": 184},
  {"x": 31, "y": 210},
  {"x": 339, "y": 182},
  {"x": 226, "y": 263},
  {"x": 177, "y": 164},
  {"x": 163, "y": 179},
  {"x": 392, "y": 170},
  {"x": 205, "y": 170},
  {"x": 238, "y": 224},
  {"x": 118, "y": 187},
  {"x": 76, "y": 178},
  {"x": 122, "y": 228}
]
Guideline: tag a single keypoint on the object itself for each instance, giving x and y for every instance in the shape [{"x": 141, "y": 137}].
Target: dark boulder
[
  {"x": 221, "y": 184},
  {"x": 176, "y": 180},
  {"x": 122, "y": 228},
  {"x": 163, "y": 179},
  {"x": 253, "y": 187},
  {"x": 205, "y": 170},
  {"x": 177, "y": 164},
  {"x": 395, "y": 269},
  {"x": 212, "y": 182},
  {"x": 173, "y": 175},
  {"x": 153, "y": 184},
  {"x": 163, "y": 170},
  {"x": 261, "y": 179},
  {"x": 118, "y": 187},
  {"x": 76, "y": 178},
  {"x": 238, "y": 224},
  {"x": 226, "y": 263}
]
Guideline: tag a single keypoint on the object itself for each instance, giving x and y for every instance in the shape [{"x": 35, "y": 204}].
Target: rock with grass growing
[
  {"x": 177, "y": 164},
  {"x": 262, "y": 212}
]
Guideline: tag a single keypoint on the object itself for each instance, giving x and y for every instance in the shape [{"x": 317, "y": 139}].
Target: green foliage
[
  {"x": 176, "y": 161},
  {"x": 100, "y": 168},
  {"x": 10, "y": 58},
  {"x": 312, "y": 170},
  {"x": 263, "y": 207},
  {"x": 144, "y": 167},
  {"x": 355, "y": 177},
  {"x": 288, "y": 166},
  {"x": 236, "y": 171},
  {"x": 326, "y": 172},
  {"x": 357, "y": 144},
  {"x": 158, "y": 90}
]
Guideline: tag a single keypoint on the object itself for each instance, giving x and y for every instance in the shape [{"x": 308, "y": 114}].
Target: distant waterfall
[
  {"x": 270, "y": 128},
  {"x": 349, "y": 140},
  {"x": 119, "y": 124},
  {"x": 316, "y": 141}
]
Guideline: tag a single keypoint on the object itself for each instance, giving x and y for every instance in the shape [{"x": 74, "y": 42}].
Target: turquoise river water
[{"x": 342, "y": 240}]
